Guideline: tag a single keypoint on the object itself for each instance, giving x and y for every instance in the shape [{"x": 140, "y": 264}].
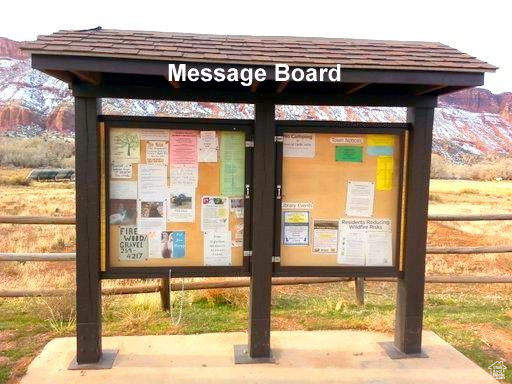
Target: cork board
[
  {"x": 208, "y": 185},
  {"x": 322, "y": 181}
]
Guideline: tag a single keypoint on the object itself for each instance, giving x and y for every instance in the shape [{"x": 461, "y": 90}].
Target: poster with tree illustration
[{"x": 124, "y": 146}]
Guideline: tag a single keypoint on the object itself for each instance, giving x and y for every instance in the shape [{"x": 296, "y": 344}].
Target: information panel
[
  {"x": 341, "y": 199},
  {"x": 175, "y": 197}
]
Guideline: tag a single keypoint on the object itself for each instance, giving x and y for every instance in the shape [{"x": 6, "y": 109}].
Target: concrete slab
[{"x": 301, "y": 357}]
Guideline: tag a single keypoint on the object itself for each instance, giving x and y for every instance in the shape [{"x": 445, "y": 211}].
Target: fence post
[
  {"x": 359, "y": 288},
  {"x": 165, "y": 297}
]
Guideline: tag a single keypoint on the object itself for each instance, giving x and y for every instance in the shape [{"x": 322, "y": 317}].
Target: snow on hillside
[{"x": 31, "y": 102}]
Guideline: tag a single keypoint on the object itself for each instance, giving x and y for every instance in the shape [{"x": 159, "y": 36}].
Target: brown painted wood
[
  {"x": 165, "y": 294},
  {"x": 229, "y": 96},
  {"x": 161, "y": 68},
  {"x": 93, "y": 78},
  {"x": 11, "y": 219},
  {"x": 410, "y": 288},
  {"x": 88, "y": 293},
  {"x": 263, "y": 219},
  {"x": 359, "y": 289},
  {"x": 355, "y": 87}
]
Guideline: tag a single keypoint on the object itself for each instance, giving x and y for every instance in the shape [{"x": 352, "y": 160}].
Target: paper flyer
[
  {"x": 385, "y": 173},
  {"x": 121, "y": 171},
  {"x": 351, "y": 249},
  {"x": 217, "y": 248},
  {"x": 349, "y": 154},
  {"x": 181, "y": 204},
  {"x": 152, "y": 182},
  {"x": 133, "y": 246},
  {"x": 214, "y": 213},
  {"x": 154, "y": 134},
  {"x": 123, "y": 190},
  {"x": 360, "y": 195},
  {"x": 381, "y": 140},
  {"x": 183, "y": 149},
  {"x": 157, "y": 152},
  {"x": 123, "y": 211},
  {"x": 172, "y": 244},
  {"x": 365, "y": 242},
  {"x": 295, "y": 228},
  {"x": 151, "y": 216},
  {"x": 325, "y": 236},
  {"x": 184, "y": 175},
  {"x": 299, "y": 145},
  {"x": 124, "y": 146},
  {"x": 154, "y": 247},
  {"x": 207, "y": 147},
  {"x": 346, "y": 140},
  {"x": 379, "y": 151},
  {"x": 232, "y": 167},
  {"x": 236, "y": 205}
]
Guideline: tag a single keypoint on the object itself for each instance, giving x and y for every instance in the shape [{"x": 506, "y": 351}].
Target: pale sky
[{"x": 480, "y": 28}]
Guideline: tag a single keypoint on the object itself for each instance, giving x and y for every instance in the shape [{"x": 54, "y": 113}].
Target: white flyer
[
  {"x": 365, "y": 242},
  {"x": 325, "y": 236},
  {"x": 152, "y": 182},
  {"x": 295, "y": 228},
  {"x": 181, "y": 204},
  {"x": 126, "y": 190},
  {"x": 184, "y": 175},
  {"x": 299, "y": 145},
  {"x": 217, "y": 248},
  {"x": 121, "y": 171},
  {"x": 379, "y": 252},
  {"x": 157, "y": 152},
  {"x": 124, "y": 146},
  {"x": 154, "y": 246},
  {"x": 207, "y": 147},
  {"x": 151, "y": 216},
  {"x": 133, "y": 246},
  {"x": 360, "y": 195},
  {"x": 154, "y": 134},
  {"x": 214, "y": 213},
  {"x": 351, "y": 249}
]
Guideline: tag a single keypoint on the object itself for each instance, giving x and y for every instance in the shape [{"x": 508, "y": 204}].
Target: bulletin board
[
  {"x": 316, "y": 181},
  {"x": 123, "y": 217}
]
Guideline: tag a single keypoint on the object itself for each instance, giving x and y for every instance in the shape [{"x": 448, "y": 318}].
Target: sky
[{"x": 479, "y": 28}]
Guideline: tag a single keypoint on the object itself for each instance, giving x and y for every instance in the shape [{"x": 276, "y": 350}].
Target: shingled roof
[{"x": 258, "y": 50}]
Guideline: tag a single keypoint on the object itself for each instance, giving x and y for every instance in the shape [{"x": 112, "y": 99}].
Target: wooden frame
[
  {"x": 141, "y": 122},
  {"x": 339, "y": 127}
]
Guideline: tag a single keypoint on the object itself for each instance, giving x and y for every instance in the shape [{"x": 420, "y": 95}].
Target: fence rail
[{"x": 163, "y": 288}]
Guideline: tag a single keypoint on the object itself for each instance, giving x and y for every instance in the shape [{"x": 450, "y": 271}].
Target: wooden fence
[{"x": 163, "y": 287}]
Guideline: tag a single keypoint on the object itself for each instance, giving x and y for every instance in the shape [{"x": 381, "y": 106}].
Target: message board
[
  {"x": 175, "y": 197},
  {"x": 341, "y": 198}
]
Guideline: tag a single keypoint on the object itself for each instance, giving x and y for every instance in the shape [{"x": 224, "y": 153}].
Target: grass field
[{"x": 474, "y": 319}]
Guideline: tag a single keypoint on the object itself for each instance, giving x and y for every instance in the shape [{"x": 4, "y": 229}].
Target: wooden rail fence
[{"x": 163, "y": 287}]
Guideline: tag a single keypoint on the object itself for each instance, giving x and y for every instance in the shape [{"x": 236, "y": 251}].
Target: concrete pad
[{"x": 301, "y": 357}]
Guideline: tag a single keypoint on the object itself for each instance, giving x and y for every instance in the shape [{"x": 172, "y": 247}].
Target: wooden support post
[
  {"x": 263, "y": 233},
  {"x": 410, "y": 289},
  {"x": 88, "y": 284},
  {"x": 165, "y": 296},
  {"x": 359, "y": 288}
]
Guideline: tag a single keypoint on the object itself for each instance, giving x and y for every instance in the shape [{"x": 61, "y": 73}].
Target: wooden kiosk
[{"x": 280, "y": 197}]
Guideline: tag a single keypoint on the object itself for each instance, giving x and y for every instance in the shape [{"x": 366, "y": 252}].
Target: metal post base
[
  {"x": 106, "y": 362},
  {"x": 242, "y": 356},
  {"x": 394, "y": 353}
]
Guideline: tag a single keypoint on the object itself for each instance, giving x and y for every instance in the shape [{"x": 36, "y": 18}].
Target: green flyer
[{"x": 349, "y": 154}]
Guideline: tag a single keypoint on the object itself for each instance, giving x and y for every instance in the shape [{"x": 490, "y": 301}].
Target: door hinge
[
  {"x": 278, "y": 194},
  {"x": 276, "y": 259},
  {"x": 278, "y": 139},
  {"x": 247, "y": 191},
  {"x": 249, "y": 144},
  {"x": 248, "y": 253}
]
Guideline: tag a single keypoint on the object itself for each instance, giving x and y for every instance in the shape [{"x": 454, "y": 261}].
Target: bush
[
  {"x": 484, "y": 170},
  {"x": 37, "y": 152}
]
